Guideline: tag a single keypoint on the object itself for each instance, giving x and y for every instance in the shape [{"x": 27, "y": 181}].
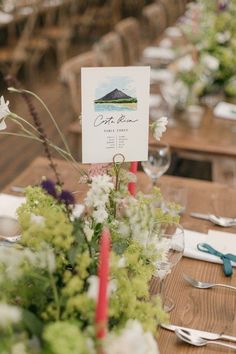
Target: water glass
[
  {"x": 158, "y": 162},
  {"x": 174, "y": 199},
  {"x": 168, "y": 238}
]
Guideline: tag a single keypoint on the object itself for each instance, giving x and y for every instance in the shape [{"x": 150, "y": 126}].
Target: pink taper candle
[
  {"x": 103, "y": 274},
  {"x": 132, "y": 185}
]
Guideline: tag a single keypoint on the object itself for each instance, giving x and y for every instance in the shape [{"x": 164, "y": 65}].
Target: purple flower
[
  {"x": 223, "y": 5},
  {"x": 49, "y": 187},
  {"x": 67, "y": 198}
]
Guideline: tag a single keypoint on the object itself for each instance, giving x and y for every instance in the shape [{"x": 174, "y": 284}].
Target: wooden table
[
  {"x": 214, "y": 141},
  {"x": 212, "y": 310}
]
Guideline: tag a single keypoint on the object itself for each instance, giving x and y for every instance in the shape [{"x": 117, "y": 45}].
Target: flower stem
[{"x": 11, "y": 89}]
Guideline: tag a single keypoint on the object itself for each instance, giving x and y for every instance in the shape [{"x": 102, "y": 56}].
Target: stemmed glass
[
  {"x": 169, "y": 238},
  {"x": 158, "y": 162}
]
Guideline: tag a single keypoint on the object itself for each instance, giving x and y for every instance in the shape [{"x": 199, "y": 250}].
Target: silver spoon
[
  {"x": 204, "y": 285},
  {"x": 222, "y": 221},
  {"x": 199, "y": 341},
  {"x": 217, "y": 220},
  {"x": 11, "y": 239}
]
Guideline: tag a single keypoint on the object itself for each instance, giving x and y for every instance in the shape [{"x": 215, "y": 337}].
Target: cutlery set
[{"x": 197, "y": 337}]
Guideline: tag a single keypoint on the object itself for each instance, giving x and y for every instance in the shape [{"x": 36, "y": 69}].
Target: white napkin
[
  {"x": 222, "y": 241},
  {"x": 27, "y": 10},
  {"x": 5, "y": 18},
  {"x": 161, "y": 75},
  {"x": 225, "y": 110},
  {"x": 9, "y": 204},
  {"x": 173, "y": 32},
  {"x": 159, "y": 53}
]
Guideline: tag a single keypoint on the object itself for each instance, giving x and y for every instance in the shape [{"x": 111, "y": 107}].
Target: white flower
[
  {"x": 223, "y": 37},
  {"x": 13, "y": 259},
  {"x": 4, "y": 112},
  {"x": 9, "y": 314},
  {"x": 132, "y": 339},
  {"x": 88, "y": 231},
  {"x": 159, "y": 127},
  {"x": 93, "y": 288},
  {"x": 100, "y": 215},
  {"x": 211, "y": 62},
  {"x": 19, "y": 348},
  {"x": 186, "y": 63},
  {"x": 122, "y": 262},
  {"x": 37, "y": 219},
  {"x": 77, "y": 211}
]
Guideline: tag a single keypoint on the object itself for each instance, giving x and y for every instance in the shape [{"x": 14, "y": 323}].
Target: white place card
[
  {"x": 225, "y": 110},
  {"x": 115, "y": 113}
]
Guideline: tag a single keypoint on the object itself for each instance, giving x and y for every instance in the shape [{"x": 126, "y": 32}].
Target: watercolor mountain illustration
[
  {"x": 116, "y": 100},
  {"x": 116, "y": 96}
]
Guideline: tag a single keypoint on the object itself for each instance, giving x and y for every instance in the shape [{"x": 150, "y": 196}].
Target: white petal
[{"x": 3, "y": 124}]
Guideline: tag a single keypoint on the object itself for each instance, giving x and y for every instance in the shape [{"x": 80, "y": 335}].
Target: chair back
[
  {"x": 129, "y": 31},
  {"x": 154, "y": 19},
  {"x": 70, "y": 74},
  {"x": 171, "y": 9},
  {"x": 109, "y": 50}
]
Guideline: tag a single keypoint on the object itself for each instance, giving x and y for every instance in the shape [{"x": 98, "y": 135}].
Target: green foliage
[
  {"x": 214, "y": 34},
  {"x": 56, "y": 259}
]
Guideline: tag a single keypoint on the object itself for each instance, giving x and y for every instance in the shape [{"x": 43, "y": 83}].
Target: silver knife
[
  {"x": 202, "y": 334},
  {"x": 200, "y": 216}
]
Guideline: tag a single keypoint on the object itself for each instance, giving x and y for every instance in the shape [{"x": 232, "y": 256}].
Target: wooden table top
[
  {"x": 212, "y": 310},
  {"x": 215, "y": 136}
]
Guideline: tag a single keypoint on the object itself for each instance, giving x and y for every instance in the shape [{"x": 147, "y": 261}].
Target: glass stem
[{"x": 154, "y": 181}]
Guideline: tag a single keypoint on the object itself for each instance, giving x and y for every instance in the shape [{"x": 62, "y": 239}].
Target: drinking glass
[
  {"x": 168, "y": 238},
  {"x": 158, "y": 162},
  {"x": 175, "y": 94},
  {"x": 174, "y": 199}
]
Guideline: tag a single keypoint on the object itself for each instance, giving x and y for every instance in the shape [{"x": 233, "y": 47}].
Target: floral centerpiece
[
  {"x": 50, "y": 284},
  {"x": 211, "y": 28}
]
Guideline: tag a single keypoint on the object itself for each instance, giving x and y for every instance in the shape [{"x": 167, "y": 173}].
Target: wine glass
[
  {"x": 175, "y": 94},
  {"x": 168, "y": 239},
  {"x": 158, "y": 162}
]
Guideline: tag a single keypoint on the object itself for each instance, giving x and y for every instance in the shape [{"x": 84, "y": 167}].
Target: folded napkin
[
  {"x": 173, "y": 32},
  {"x": 159, "y": 53},
  {"x": 223, "y": 242},
  {"x": 9, "y": 204},
  {"x": 225, "y": 110},
  {"x": 5, "y": 18}
]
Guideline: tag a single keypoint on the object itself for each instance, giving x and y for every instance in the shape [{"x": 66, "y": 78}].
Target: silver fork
[{"x": 204, "y": 285}]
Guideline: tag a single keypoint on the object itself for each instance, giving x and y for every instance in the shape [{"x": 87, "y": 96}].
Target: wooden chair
[
  {"x": 57, "y": 30},
  {"x": 109, "y": 50},
  {"x": 95, "y": 20},
  {"x": 13, "y": 55},
  {"x": 129, "y": 31},
  {"x": 170, "y": 7},
  {"x": 154, "y": 20},
  {"x": 70, "y": 74}
]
